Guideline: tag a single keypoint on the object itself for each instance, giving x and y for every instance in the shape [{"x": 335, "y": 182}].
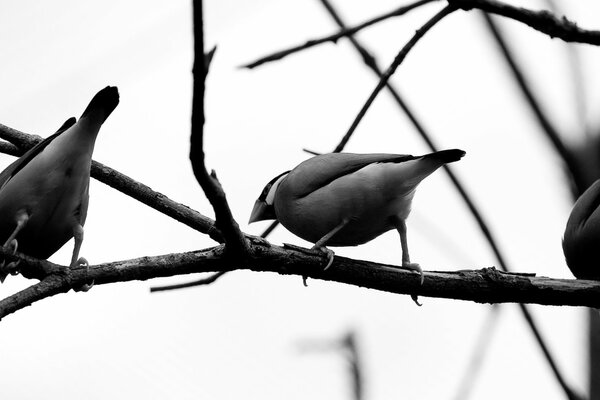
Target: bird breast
[{"x": 370, "y": 199}]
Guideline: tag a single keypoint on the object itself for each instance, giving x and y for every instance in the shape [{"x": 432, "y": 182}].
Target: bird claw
[
  {"x": 82, "y": 262},
  {"x": 12, "y": 267},
  {"x": 329, "y": 253},
  {"x": 417, "y": 269}
]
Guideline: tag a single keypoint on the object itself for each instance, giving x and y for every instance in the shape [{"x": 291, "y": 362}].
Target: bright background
[{"x": 240, "y": 337}]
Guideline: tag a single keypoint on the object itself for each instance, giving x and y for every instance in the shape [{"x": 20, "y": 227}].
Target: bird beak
[{"x": 262, "y": 211}]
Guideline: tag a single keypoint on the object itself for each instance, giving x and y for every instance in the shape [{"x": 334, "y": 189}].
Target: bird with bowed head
[
  {"x": 581, "y": 241},
  {"x": 44, "y": 194},
  {"x": 345, "y": 199}
]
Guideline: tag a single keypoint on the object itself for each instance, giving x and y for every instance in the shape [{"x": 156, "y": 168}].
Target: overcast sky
[{"x": 240, "y": 337}]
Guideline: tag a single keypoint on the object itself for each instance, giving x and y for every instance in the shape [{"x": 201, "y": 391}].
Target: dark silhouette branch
[
  {"x": 392, "y": 68},
  {"x": 128, "y": 186},
  {"x": 543, "y": 21},
  {"x": 199, "y": 282},
  {"x": 344, "y": 32},
  {"x": 487, "y": 285},
  {"x": 236, "y": 243}
]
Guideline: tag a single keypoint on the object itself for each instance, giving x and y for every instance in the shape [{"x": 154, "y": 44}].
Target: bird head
[
  {"x": 582, "y": 234},
  {"x": 263, "y": 207}
]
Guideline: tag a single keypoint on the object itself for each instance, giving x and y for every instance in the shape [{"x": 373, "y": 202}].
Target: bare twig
[
  {"x": 487, "y": 285},
  {"x": 199, "y": 282},
  {"x": 336, "y": 36},
  {"x": 543, "y": 20},
  {"x": 128, "y": 186},
  {"x": 234, "y": 239},
  {"x": 392, "y": 68}
]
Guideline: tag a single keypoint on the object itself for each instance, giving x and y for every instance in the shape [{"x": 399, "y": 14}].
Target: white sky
[{"x": 238, "y": 338}]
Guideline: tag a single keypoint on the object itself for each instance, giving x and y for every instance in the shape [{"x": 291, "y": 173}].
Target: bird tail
[
  {"x": 446, "y": 156},
  {"x": 102, "y": 104}
]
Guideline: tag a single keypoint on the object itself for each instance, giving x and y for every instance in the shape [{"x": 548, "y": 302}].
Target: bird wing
[
  {"x": 18, "y": 164},
  {"x": 321, "y": 170}
]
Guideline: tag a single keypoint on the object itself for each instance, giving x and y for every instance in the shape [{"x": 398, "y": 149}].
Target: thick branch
[
  {"x": 128, "y": 186},
  {"x": 543, "y": 21},
  {"x": 209, "y": 183},
  {"x": 487, "y": 285}
]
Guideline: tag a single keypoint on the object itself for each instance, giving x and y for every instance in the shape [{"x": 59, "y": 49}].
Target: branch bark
[
  {"x": 487, "y": 285},
  {"x": 236, "y": 243}
]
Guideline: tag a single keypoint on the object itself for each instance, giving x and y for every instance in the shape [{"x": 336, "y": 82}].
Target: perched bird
[
  {"x": 581, "y": 242},
  {"x": 44, "y": 194},
  {"x": 344, "y": 199}
]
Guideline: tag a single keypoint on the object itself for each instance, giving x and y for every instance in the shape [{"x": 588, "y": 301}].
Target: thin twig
[
  {"x": 128, "y": 186},
  {"x": 212, "y": 188},
  {"x": 392, "y": 68},
  {"x": 336, "y": 36},
  {"x": 199, "y": 282},
  {"x": 543, "y": 20},
  {"x": 487, "y": 285}
]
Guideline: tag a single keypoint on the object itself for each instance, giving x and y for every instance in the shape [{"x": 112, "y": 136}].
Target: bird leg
[
  {"x": 401, "y": 227},
  {"x": 320, "y": 245},
  {"x": 79, "y": 262},
  {"x": 11, "y": 246}
]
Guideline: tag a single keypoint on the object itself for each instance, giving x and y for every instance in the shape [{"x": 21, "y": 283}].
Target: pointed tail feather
[
  {"x": 446, "y": 156},
  {"x": 102, "y": 104}
]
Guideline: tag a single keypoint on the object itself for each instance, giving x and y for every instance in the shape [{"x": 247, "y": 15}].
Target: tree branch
[
  {"x": 128, "y": 186},
  {"x": 336, "y": 36},
  {"x": 372, "y": 63},
  {"x": 543, "y": 21},
  {"x": 392, "y": 68},
  {"x": 486, "y": 285},
  {"x": 234, "y": 238}
]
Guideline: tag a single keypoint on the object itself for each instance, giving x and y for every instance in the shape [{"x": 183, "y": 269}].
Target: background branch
[
  {"x": 344, "y": 32},
  {"x": 543, "y": 21}
]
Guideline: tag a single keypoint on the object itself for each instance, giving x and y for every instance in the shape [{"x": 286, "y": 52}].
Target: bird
[
  {"x": 347, "y": 199},
  {"x": 44, "y": 194},
  {"x": 582, "y": 235}
]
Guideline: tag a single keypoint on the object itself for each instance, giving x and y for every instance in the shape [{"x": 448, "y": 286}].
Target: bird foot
[
  {"x": 82, "y": 262},
  {"x": 417, "y": 269},
  {"x": 11, "y": 267},
  {"x": 329, "y": 253}
]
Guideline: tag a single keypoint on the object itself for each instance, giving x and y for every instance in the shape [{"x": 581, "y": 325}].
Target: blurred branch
[
  {"x": 544, "y": 122},
  {"x": 478, "y": 354},
  {"x": 336, "y": 36},
  {"x": 128, "y": 186},
  {"x": 543, "y": 20},
  {"x": 486, "y": 285},
  {"x": 349, "y": 348},
  {"x": 234, "y": 239}
]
